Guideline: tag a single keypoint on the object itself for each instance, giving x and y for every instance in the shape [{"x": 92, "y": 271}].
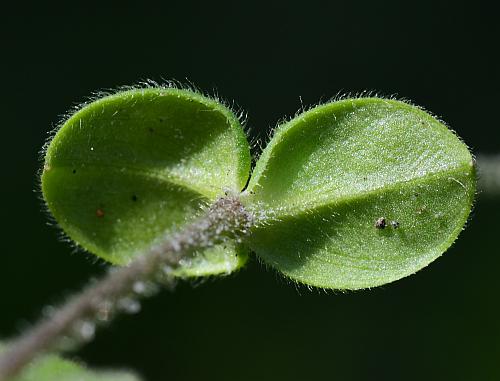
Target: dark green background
[{"x": 443, "y": 323}]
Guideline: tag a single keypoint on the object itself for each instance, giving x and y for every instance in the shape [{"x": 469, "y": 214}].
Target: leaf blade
[
  {"x": 55, "y": 368},
  {"x": 133, "y": 166},
  {"x": 339, "y": 154}
]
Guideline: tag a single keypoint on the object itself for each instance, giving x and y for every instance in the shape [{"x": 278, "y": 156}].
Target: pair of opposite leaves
[{"x": 128, "y": 167}]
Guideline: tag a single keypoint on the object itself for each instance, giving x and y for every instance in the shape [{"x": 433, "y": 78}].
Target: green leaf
[
  {"x": 331, "y": 173},
  {"x": 129, "y": 167},
  {"x": 54, "y": 368}
]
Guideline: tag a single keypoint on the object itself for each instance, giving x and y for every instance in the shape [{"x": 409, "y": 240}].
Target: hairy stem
[{"x": 121, "y": 288}]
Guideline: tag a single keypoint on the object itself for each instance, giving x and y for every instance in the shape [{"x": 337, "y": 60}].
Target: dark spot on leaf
[
  {"x": 161, "y": 120},
  {"x": 74, "y": 171},
  {"x": 134, "y": 197},
  {"x": 151, "y": 130},
  {"x": 380, "y": 223},
  {"x": 99, "y": 213},
  {"x": 395, "y": 224}
]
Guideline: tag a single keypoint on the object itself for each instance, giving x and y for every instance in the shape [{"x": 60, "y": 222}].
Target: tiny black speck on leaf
[
  {"x": 74, "y": 171},
  {"x": 134, "y": 197}
]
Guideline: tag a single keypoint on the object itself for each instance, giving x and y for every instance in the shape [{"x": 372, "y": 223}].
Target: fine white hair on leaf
[
  {"x": 238, "y": 111},
  {"x": 339, "y": 96}
]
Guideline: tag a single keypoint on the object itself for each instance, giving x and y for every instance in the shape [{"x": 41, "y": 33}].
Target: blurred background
[{"x": 442, "y": 323}]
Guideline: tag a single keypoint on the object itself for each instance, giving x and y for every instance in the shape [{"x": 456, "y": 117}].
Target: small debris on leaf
[
  {"x": 395, "y": 224},
  {"x": 380, "y": 223}
]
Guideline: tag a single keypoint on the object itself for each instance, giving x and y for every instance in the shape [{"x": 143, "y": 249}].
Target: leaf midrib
[
  {"x": 294, "y": 212},
  {"x": 142, "y": 172}
]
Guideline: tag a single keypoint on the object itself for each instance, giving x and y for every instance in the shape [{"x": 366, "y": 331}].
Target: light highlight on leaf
[
  {"x": 328, "y": 175},
  {"x": 129, "y": 167}
]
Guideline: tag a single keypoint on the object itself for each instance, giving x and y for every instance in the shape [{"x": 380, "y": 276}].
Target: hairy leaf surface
[
  {"x": 130, "y": 167},
  {"x": 359, "y": 193}
]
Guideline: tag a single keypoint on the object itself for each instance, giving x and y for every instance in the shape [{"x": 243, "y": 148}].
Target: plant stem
[
  {"x": 225, "y": 219},
  {"x": 489, "y": 174}
]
